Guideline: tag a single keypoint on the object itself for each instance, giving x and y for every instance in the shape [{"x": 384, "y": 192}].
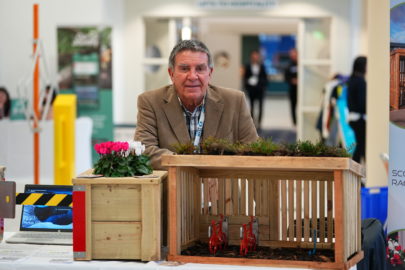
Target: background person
[
  {"x": 5, "y": 103},
  {"x": 255, "y": 83},
  {"x": 190, "y": 109},
  {"x": 356, "y": 102},
  {"x": 291, "y": 77}
]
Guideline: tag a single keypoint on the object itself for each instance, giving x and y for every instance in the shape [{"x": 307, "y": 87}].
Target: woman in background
[{"x": 356, "y": 102}]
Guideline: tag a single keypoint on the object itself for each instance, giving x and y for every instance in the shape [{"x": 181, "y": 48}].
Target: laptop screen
[{"x": 47, "y": 218}]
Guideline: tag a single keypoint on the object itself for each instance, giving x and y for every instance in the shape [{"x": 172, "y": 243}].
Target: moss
[{"x": 261, "y": 147}]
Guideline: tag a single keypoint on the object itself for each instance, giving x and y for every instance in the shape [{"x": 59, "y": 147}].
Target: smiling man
[{"x": 191, "y": 109}]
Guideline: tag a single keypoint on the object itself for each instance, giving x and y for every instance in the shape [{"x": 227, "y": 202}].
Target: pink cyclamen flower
[
  {"x": 116, "y": 147},
  {"x": 124, "y": 146},
  {"x": 102, "y": 150}
]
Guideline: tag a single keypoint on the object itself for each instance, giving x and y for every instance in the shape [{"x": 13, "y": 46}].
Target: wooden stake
[{"x": 36, "y": 96}]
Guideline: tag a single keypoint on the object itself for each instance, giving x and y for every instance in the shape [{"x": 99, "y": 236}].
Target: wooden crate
[
  {"x": 280, "y": 191},
  {"x": 117, "y": 218}
]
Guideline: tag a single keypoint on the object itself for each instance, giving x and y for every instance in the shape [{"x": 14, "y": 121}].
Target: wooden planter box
[
  {"x": 319, "y": 193},
  {"x": 117, "y": 218}
]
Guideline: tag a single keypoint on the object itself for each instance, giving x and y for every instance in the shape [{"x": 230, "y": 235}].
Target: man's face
[{"x": 190, "y": 76}]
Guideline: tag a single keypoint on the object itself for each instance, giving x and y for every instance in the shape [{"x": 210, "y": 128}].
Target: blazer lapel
[
  {"x": 175, "y": 116},
  {"x": 214, "y": 108}
]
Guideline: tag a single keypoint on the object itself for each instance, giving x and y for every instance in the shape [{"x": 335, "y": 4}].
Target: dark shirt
[
  {"x": 356, "y": 94},
  {"x": 262, "y": 77},
  {"x": 291, "y": 73}
]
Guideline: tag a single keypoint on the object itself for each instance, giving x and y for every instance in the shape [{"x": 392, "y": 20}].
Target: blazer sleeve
[
  {"x": 246, "y": 129},
  {"x": 146, "y": 132}
]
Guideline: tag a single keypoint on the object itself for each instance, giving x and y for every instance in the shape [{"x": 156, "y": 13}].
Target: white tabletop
[{"x": 44, "y": 257}]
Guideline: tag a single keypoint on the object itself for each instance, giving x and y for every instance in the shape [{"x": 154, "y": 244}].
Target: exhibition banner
[
  {"x": 85, "y": 69},
  {"x": 396, "y": 183}
]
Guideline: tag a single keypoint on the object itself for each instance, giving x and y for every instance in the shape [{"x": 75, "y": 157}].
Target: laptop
[{"x": 49, "y": 225}]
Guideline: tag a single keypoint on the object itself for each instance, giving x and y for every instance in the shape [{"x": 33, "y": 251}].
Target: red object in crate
[
  {"x": 217, "y": 233},
  {"x": 250, "y": 236}
]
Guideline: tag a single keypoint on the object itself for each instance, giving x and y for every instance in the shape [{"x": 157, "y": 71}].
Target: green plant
[
  {"x": 185, "y": 148},
  {"x": 261, "y": 147},
  {"x": 121, "y": 159}
]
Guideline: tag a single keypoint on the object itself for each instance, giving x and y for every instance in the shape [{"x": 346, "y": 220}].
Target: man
[
  {"x": 255, "y": 82},
  {"x": 291, "y": 77},
  {"x": 190, "y": 109}
]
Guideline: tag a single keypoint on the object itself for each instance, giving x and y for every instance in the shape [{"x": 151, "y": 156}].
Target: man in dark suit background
[{"x": 255, "y": 83}]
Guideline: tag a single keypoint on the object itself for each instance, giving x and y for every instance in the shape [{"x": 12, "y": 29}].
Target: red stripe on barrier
[{"x": 79, "y": 221}]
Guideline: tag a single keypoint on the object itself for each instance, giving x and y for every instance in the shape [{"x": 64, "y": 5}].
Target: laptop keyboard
[{"x": 45, "y": 235}]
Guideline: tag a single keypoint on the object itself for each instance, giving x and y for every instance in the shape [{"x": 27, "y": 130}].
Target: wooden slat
[
  {"x": 155, "y": 178},
  {"x": 235, "y": 196},
  {"x": 291, "y": 209},
  {"x": 174, "y": 212},
  {"x": 112, "y": 239},
  {"x": 257, "y": 195},
  {"x": 265, "y": 197},
  {"x": 299, "y": 210},
  {"x": 206, "y": 191},
  {"x": 314, "y": 206},
  {"x": 274, "y": 209},
  {"x": 183, "y": 206},
  {"x": 251, "y": 196},
  {"x": 358, "y": 219},
  {"x": 221, "y": 196},
  {"x": 306, "y": 211},
  {"x": 339, "y": 217},
  {"x": 330, "y": 206},
  {"x": 228, "y": 195},
  {"x": 151, "y": 229},
  {"x": 243, "y": 197},
  {"x": 214, "y": 196},
  {"x": 283, "y": 210},
  {"x": 258, "y": 162},
  {"x": 189, "y": 207},
  {"x": 322, "y": 234},
  {"x": 197, "y": 205}
]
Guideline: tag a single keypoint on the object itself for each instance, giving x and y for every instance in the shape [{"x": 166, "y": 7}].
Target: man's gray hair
[{"x": 189, "y": 45}]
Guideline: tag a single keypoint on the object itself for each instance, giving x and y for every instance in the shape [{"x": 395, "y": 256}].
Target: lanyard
[{"x": 200, "y": 126}]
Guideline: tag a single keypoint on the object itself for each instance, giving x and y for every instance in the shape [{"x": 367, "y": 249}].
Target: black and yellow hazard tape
[{"x": 44, "y": 199}]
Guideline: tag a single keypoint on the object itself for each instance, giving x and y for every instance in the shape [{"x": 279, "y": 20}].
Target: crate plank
[
  {"x": 109, "y": 199},
  {"x": 112, "y": 239},
  {"x": 299, "y": 211},
  {"x": 306, "y": 211}
]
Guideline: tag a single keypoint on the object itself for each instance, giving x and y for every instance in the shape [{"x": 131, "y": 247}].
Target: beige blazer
[{"x": 161, "y": 122}]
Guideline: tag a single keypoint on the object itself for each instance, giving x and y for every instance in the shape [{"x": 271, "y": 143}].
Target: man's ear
[
  {"x": 211, "y": 70},
  {"x": 170, "y": 71}
]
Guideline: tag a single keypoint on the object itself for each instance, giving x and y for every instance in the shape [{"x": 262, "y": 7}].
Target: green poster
[{"x": 85, "y": 69}]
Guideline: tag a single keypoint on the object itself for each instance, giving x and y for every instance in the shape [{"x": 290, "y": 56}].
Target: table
[{"x": 52, "y": 257}]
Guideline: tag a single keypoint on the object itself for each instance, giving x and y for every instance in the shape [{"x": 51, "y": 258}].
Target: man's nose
[{"x": 192, "y": 74}]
